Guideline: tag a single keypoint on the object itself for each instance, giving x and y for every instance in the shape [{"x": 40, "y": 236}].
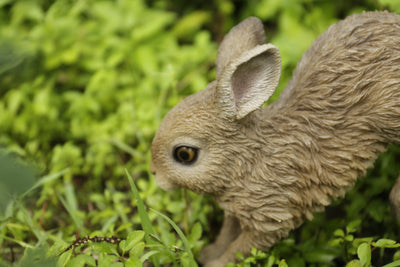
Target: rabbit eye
[{"x": 185, "y": 154}]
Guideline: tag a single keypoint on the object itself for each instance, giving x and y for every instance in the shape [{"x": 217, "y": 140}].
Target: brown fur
[{"x": 270, "y": 168}]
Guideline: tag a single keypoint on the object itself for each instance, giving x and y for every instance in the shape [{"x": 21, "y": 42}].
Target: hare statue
[{"x": 271, "y": 167}]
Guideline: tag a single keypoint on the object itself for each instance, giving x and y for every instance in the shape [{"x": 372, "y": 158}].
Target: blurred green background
[{"x": 83, "y": 87}]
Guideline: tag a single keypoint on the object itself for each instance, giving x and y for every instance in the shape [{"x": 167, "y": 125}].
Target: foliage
[{"x": 83, "y": 87}]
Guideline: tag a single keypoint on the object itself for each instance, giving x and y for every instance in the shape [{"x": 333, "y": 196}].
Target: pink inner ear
[
  {"x": 248, "y": 81},
  {"x": 248, "y": 78}
]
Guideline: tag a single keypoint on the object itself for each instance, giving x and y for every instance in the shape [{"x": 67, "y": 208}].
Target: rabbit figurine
[{"x": 271, "y": 167}]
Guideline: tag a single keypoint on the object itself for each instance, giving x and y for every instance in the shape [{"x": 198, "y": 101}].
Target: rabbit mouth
[{"x": 165, "y": 185}]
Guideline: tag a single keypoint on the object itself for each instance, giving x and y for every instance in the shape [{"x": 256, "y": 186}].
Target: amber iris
[{"x": 185, "y": 154}]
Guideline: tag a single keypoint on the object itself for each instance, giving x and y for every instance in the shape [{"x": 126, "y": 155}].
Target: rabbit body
[{"x": 269, "y": 168}]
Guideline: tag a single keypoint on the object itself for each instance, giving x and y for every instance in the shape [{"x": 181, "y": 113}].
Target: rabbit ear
[
  {"x": 243, "y": 37},
  {"x": 248, "y": 80},
  {"x": 248, "y": 70}
]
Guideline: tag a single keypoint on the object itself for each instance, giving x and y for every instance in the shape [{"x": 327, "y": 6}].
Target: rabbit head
[{"x": 201, "y": 142}]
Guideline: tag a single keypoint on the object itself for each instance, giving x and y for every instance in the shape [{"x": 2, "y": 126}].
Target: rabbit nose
[{"x": 152, "y": 168}]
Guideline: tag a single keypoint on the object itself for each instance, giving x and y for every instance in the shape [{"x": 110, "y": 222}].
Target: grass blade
[
  {"x": 19, "y": 242},
  {"x": 40, "y": 235},
  {"x": 180, "y": 233},
  {"x": 70, "y": 209},
  {"x": 148, "y": 255},
  {"x": 124, "y": 147},
  {"x": 45, "y": 179},
  {"x": 144, "y": 218}
]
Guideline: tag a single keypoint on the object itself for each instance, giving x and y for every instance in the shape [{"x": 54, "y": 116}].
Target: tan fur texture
[{"x": 269, "y": 168}]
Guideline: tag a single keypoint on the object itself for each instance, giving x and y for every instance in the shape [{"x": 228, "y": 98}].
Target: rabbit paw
[
  {"x": 210, "y": 253},
  {"x": 215, "y": 263}
]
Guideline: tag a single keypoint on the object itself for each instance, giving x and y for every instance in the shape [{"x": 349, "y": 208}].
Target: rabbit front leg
[
  {"x": 395, "y": 198},
  {"x": 229, "y": 232},
  {"x": 242, "y": 244}
]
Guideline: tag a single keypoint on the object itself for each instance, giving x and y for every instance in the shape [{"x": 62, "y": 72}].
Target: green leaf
[
  {"x": 137, "y": 250},
  {"x": 195, "y": 233},
  {"x": 64, "y": 258},
  {"x": 358, "y": 241},
  {"x": 132, "y": 239},
  {"x": 187, "y": 260},
  {"x": 395, "y": 5},
  {"x": 105, "y": 247},
  {"x": 352, "y": 226},
  {"x": 385, "y": 243},
  {"x": 4, "y": 2},
  {"x": 396, "y": 255},
  {"x": 339, "y": 233},
  {"x": 82, "y": 260},
  {"x": 364, "y": 254},
  {"x": 58, "y": 246},
  {"x": 191, "y": 23},
  {"x": 282, "y": 263},
  {"x": 27, "y": 10},
  {"x": 240, "y": 256},
  {"x": 349, "y": 238},
  {"x": 393, "y": 264},
  {"x": 319, "y": 255},
  {"x": 133, "y": 262},
  {"x": 9, "y": 56},
  {"x": 336, "y": 242},
  {"x": 354, "y": 263},
  {"x": 36, "y": 257},
  {"x": 376, "y": 209},
  {"x": 107, "y": 260},
  {"x": 295, "y": 260}
]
